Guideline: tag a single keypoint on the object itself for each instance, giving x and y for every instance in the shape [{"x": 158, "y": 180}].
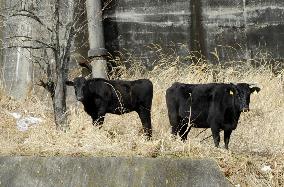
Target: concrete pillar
[
  {"x": 1, "y": 44},
  {"x": 17, "y": 64},
  {"x": 97, "y": 50}
]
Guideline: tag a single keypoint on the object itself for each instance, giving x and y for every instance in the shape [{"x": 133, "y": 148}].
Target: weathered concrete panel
[
  {"x": 17, "y": 70},
  {"x": 238, "y": 29},
  {"x": 134, "y": 25},
  {"x": 265, "y": 27},
  {"x": 109, "y": 171},
  {"x": 225, "y": 28}
]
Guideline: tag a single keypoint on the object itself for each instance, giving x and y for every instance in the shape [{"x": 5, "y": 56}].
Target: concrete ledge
[{"x": 109, "y": 171}]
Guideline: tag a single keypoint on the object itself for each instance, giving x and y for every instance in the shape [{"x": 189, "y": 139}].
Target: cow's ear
[
  {"x": 69, "y": 83},
  {"x": 254, "y": 89}
]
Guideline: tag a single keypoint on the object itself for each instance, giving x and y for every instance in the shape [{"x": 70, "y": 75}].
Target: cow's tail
[{"x": 172, "y": 111}]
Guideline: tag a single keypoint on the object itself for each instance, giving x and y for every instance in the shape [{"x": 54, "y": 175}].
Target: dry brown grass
[{"x": 258, "y": 140}]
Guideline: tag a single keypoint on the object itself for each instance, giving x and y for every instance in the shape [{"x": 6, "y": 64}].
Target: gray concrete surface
[
  {"x": 237, "y": 29},
  {"x": 109, "y": 171},
  {"x": 17, "y": 72}
]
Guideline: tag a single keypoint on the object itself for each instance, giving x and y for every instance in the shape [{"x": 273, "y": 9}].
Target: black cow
[
  {"x": 216, "y": 105},
  {"x": 100, "y": 96}
]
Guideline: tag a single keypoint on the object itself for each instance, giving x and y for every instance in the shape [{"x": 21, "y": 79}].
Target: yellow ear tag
[{"x": 231, "y": 92}]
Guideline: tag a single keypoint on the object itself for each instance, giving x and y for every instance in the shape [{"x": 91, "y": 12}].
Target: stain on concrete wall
[{"x": 197, "y": 37}]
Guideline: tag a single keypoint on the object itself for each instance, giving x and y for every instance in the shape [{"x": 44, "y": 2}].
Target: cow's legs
[
  {"x": 145, "y": 117},
  {"x": 101, "y": 116},
  {"x": 216, "y": 135},
  {"x": 99, "y": 121},
  {"x": 227, "y": 134},
  {"x": 172, "y": 113},
  {"x": 94, "y": 118},
  {"x": 174, "y": 121},
  {"x": 98, "y": 118},
  {"x": 184, "y": 129}
]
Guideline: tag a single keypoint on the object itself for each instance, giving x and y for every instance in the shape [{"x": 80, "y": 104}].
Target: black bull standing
[
  {"x": 100, "y": 96},
  {"x": 216, "y": 105}
]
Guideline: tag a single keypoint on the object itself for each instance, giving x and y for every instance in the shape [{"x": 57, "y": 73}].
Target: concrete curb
[{"x": 109, "y": 171}]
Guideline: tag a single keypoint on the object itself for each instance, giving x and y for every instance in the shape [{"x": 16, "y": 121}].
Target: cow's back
[
  {"x": 133, "y": 93},
  {"x": 190, "y": 101},
  {"x": 142, "y": 92},
  {"x": 143, "y": 87}
]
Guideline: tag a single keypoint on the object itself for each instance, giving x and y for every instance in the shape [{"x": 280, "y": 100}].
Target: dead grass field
[{"x": 257, "y": 142}]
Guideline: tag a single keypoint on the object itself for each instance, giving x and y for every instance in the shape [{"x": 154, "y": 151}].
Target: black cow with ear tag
[{"x": 215, "y": 105}]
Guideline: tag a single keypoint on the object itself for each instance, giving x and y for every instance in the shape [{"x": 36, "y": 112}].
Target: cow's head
[
  {"x": 78, "y": 83},
  {"x": 244, "y": 91}
]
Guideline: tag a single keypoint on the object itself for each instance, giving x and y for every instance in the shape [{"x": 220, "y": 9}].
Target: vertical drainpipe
[
  {"x": 197, "y": 36},
  {"x": 249, "y": 53},
  {"x": 97, "y": 51}
]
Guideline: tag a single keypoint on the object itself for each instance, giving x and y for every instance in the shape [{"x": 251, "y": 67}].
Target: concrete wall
[
  {"x": 135, "y": 25},
  {"x": 248, "y": 26},
  {"x": 237, "y": 29},
  {"x": 109, "y": 171}
]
